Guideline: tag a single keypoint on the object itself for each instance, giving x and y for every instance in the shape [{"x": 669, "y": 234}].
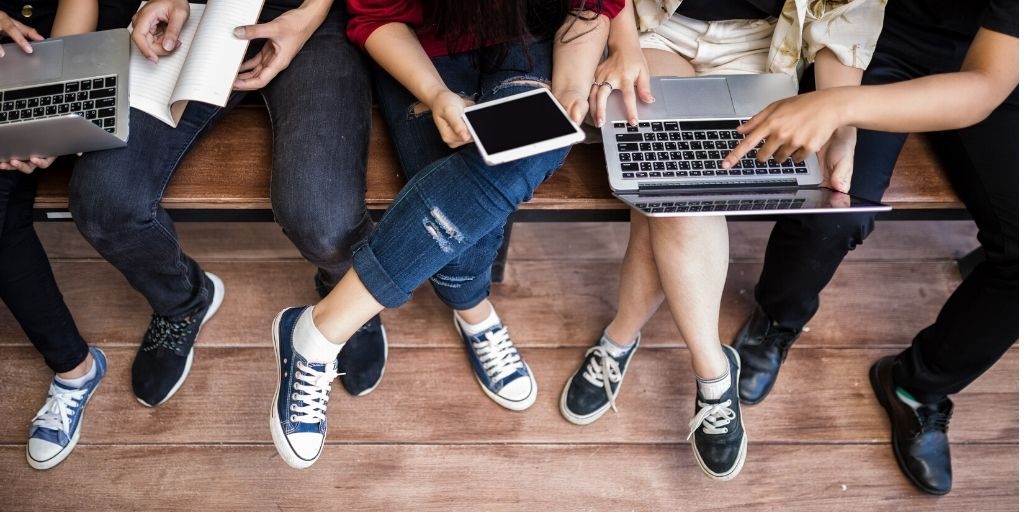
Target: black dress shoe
[
  {"x": 762, "y": 347},
  {"x": 363, "y": 357},
  {"x": 918, "y": 436}
]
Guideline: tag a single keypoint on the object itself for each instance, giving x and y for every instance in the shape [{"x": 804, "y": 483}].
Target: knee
[
  {"x": 103, "y": 217},
  {"x": 846, "y": 230},
  {"x": 326, "y": 236}
]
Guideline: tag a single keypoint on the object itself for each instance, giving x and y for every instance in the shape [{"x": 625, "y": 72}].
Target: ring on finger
[{"x": 608, "y": 84}]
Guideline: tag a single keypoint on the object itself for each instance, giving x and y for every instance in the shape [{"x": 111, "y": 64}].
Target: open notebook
[{"x": 202, "y": 69}]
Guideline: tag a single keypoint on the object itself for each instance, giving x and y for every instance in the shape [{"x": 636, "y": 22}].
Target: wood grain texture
[
  {"x": 230, "y": 168},
  {"x": 498, "y": 478},
  {"x": 823, "y": 396},
  {"x": 544, "y": 302}
]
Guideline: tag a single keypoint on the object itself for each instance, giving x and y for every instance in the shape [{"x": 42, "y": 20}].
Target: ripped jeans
[{"x": 447, "y": 223}]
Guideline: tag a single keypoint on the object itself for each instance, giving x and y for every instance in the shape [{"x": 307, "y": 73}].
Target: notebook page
[
  {"x": 151, "y": 85},
  {"x": 213, "y": 62}
]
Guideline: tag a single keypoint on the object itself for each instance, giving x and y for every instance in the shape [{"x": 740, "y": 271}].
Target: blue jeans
[
  {"x": 447, "y": 223},
  {"x": 320, "y": 115}
]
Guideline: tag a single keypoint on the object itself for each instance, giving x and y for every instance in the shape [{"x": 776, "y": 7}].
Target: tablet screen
[{"x": 520, "y": 122}]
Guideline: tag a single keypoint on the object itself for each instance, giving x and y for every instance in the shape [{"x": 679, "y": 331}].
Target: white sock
[
  {"x": 479, "y": 327},
  {"x": 713, "y": 389},
  {"x": 310, "y": 343},
  {"x": 614, "y": 348},
  {"x": 79, "y": 382}
]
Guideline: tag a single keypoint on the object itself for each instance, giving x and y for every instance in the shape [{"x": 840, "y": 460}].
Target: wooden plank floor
[{"x": 428, "y": 439}]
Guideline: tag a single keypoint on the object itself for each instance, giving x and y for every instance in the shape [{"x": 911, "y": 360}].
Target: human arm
[
  {"x": 579, "y": 45},
  {"x": 800, "y": 125},
  {"x": 75, "y": 17},
  {"x": 625, "y": 69},
  {"x": 836, "y": 156},
  {"x": 285, "y": 35}
]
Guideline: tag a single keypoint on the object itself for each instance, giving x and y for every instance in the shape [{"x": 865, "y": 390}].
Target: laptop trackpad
[
  {"x": 46, "y": 62},
  {"x": 697, "y": 97}
]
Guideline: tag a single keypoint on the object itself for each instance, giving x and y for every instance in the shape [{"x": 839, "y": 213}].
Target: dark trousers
[
  {"x": 27, "y": 286},
  {"x": 979, "y": 322},
  {"x": 320, "y": 116}
]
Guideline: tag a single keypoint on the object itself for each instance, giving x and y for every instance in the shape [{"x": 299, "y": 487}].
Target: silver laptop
[
  {"x": 670, "y": 163},
  {"x": 69, "y": 95}
]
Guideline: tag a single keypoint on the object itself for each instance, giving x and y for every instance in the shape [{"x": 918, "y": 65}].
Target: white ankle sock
[
  {"x": 713, "y": 389},
  {"x": 614, "y": 348},
  {"x": 79, "y": 382},
  {"x": 310, "y": 343},
  {"x": 477, "y": 328}
]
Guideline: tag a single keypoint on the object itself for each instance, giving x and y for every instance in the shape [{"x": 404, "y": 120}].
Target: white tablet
[{"x": 519, "y": 126}]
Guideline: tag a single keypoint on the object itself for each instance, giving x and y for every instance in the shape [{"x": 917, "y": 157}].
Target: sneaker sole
[
  {"x": 876, "y": 386},
  {"x": 218, "y": 299},
  {"x": 742, "y": 457},
  {"x": 66, "y": 451},
  {"x": 576, "y": 419},
  {"x": 521, "y": 405},
  {"x": 276, "y": 432},
  {"x": 380, "y": 379}
]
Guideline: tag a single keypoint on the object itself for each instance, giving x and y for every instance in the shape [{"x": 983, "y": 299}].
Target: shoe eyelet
[
  {"x": 295, "y": 386},
  {"x": 291, "y": 418},
  {"x": 285, "y": 360},
  {"x": 291, "y": 407},
  {"x": 295, "y": 396}
]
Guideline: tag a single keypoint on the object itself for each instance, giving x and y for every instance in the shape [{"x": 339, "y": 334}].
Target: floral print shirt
[{"x": 849, "y": 28}]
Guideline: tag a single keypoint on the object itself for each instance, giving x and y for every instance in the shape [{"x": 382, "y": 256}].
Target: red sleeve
[
  {"x": 369, "y": 15},
  {"x": 610, "y": 8}
]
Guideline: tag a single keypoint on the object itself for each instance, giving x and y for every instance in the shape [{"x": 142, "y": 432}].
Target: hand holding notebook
[{"x": 202, "y": 62}]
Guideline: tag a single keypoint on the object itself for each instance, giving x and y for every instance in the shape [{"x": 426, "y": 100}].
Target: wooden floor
[{"x": 428, "y": 439}]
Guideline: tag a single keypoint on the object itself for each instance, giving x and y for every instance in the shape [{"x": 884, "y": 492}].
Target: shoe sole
[
  {"x": 380, "y": 379},
  {"x": 521, "y": 405},
  {"x": 276, "y": 432},
  {"x": 742, "y": 457},
  {"x": 66, "y": 451},
  {"x": 576, "y": 419},
  {"x": 876, "y": 386},
  {"x": 214, "y": 306}
]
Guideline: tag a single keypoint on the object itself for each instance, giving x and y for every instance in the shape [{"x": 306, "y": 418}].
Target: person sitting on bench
[
  {"x": 950, "y": 68},
  {"x": 319, "y": 104}
]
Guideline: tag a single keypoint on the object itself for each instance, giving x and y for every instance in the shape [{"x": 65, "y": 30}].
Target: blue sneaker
[
  {"x": 298, "y": 415},
  {"x": 501, "y": 372},
  {"x": 56, "y": 427}
]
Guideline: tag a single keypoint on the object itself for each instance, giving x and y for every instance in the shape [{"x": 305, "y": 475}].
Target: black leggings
[
  {"x": 26, "y": 280},
  {"x": 979, "y": 321}
]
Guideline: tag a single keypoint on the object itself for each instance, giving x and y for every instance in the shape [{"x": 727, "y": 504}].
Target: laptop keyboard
[
  {"x": 721, "y": 205},
  {"x": 93, "y": 99},
  {"x": 689, "y": 149}
]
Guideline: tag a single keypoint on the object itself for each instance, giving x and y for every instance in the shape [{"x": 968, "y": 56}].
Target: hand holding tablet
[{"x": 519, "y": 126}]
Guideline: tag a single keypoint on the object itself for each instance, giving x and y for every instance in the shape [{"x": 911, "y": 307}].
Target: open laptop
[
  {"x": 670, "y": 164},
  {"x": 69, "y": 95}
]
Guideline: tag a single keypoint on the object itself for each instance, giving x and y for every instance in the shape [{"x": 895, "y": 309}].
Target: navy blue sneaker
[
  {"x": 362, "y": 359},
  {"x": 56, "y": 427},
  {"x": 500, "y": 371},
  {"x": 717, "y": 436},
  {"x": 591, "y": 391},
  {"x": 298, "y": 414},
  {"x": 165, "y": 356}
]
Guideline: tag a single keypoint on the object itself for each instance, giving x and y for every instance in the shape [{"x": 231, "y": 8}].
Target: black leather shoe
[
  {"x": 762, "y": 347},
  {"x": 918, "y": 436},
  {"x": 363, "y": 357}
]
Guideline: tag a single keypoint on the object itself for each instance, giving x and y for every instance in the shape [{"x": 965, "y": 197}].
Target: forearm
[
  {"x": 579, "y": 45},
  {"x": 623, "y": 35},
  {"x": 397, "y": 49},
  {"x": 75, "y": 17},
  {"x": 316, "y": 9}
]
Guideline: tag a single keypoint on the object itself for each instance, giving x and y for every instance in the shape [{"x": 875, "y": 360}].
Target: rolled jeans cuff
[{"x": 376, "y": 279}]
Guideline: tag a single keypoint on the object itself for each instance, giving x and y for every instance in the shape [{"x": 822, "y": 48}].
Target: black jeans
[
  {"x": 26, "y": 280},
  {"x": 320, "y": 115},
  {"x": 979, "y": 322}
]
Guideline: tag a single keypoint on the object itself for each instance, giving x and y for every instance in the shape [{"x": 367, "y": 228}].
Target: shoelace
[
  {"x": 602, "y": 371},
  {"x": 497, "y": 354},
  {"x": 714, "y": 417},
  {"x": 935, "y": 420},
  {"x": 312, "y": 388},
  {"x": 61, "y": 404},
  {"x": 167, "y": 333}
]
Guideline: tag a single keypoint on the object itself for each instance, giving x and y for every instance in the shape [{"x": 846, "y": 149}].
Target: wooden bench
[{"x": 226, "y": 178}]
